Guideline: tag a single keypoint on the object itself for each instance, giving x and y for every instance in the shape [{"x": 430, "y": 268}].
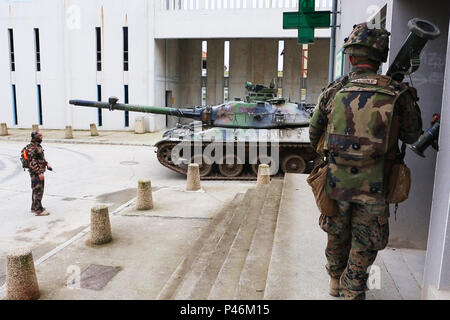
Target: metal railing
[{"x": 195, "y": 5}]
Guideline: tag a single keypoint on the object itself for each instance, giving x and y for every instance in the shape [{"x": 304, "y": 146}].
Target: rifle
[{"x": 407, "y": 60}]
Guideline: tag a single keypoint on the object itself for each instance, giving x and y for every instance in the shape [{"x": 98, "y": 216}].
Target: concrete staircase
[{"x": 250, "y": 249}]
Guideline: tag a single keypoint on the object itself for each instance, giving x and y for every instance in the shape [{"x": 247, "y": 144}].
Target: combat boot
[
  {"x": 43, "y": 213},
  {"x": 334, "y": 287}
]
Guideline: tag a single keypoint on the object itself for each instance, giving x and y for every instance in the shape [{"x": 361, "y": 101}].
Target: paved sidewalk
[
  {"x": 147, "y": 246},
  {"x": 84, "y": 136}
]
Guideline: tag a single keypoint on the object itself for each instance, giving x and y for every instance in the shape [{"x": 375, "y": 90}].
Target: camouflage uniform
[
  {"x": 37, "y": 165},
  {"x": 362, "y": 116}
]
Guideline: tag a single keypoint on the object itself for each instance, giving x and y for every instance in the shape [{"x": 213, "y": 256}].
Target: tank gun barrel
[{"x": 112, "y": 104}]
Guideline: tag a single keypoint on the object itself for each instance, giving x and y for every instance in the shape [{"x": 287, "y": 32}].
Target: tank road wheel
[
  {"x": 267, "y": 160},
  {"x": 293, "y": 164},
  {"x": 166, "y": 154},
  {"x": 231, "y": 169},
  {"x": 204, "y": 168}
]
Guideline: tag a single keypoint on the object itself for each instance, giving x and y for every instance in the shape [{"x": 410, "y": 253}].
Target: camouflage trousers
[
  {"x": 37, "y": 187},
  {"x": 354, "y": 237}
]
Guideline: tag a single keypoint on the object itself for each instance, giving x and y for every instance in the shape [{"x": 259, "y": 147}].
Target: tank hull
[{"x": 234, "y": 154}]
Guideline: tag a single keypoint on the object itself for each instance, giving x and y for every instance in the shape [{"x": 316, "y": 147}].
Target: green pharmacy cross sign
[{"x": 305, "y": 20}]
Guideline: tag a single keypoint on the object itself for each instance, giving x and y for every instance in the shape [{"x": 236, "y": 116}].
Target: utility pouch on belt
[
  {"x": 399, "y": 181},
  {"x": 317, "y": 180}
]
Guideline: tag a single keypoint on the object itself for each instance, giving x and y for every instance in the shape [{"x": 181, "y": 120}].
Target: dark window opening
[
  {"x": 125, "y": 48},
  {"x": 99, "y": 111},
  {"x": 39, "y": 97},
  {"x": 14, "y": 102},
  {"x": 99, "y": 48},
  {"x": 11, "y": 50},
  {"x": 127, "y": 115},
  {"x": 38, "y": 49}
]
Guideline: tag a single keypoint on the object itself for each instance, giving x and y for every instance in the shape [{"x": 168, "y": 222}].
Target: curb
[{"x": 72, "y": 141}]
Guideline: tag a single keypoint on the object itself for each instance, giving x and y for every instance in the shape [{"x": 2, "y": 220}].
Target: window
[
  {"x": 14, "y": 102},
  {"x": 280, "y": 67},
  {"x": 204, "y": 71},
  {"x": 98, "y": 35},
  {"x": 39, "y": 102},
  {"x": 99, "y": 111},
  {"x": 304, "y": 78},
  {"x": 226, "y": 70},
  {"x": 127, "y": 116},
  {"x": 125, "y": 48},
  {"x": 11, "y": 50},
  {"x": 38, "y": 49}
]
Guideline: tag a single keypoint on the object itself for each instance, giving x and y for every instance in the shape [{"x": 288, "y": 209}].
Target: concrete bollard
[
  {"x": 21, "y": 280},
  {"x": 68, "y": 133},
  {"x": 35, "y": 127},
  {"x": 100, "y": 225},
  {"x": 94, "y": 131},
  {"x": 193, "y": 177},
  {"x": 4, "y": 129},
  {"x": 263, "y": 174},
  {"x": 144, "y": 195}
]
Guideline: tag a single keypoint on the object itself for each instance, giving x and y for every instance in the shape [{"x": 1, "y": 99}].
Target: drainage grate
[
  {"x": 96, "y": 277},
  {"x": 129, "y": 163}
]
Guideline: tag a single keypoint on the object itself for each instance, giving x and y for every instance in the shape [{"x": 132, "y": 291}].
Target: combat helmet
[{"x": 368, "y": 42}]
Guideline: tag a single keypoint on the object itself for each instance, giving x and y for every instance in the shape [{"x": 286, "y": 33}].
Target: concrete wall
[
  {"x": 228, "y": 18},
  {"x": 411, "y": 227},
  {"x": 68, "y": 59},
  {"x": 437, "y": 263},
  {"x": 354, "y": 12}
]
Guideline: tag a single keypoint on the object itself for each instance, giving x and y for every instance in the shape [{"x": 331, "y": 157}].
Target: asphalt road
[{"x": 84, "y": 175}]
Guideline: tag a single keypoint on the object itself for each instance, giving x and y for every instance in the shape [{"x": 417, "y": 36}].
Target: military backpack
[
  {"x": 24, "y": 158},
  {"x": 357, "y": 138}
]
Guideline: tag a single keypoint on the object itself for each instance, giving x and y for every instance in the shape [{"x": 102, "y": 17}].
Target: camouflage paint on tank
[{"x": 260, "y": 110}]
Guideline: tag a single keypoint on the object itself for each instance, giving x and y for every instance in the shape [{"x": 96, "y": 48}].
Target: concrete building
[
  {"x": 145, "y": 52},
  {"x": 422, "y": 221}
]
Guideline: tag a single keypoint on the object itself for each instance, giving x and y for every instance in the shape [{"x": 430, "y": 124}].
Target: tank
[{"x": 230, "y": 140}]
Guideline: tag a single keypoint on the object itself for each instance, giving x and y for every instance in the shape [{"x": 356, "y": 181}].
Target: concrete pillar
[
  {"x": 100, "y": 225},
  {"x": 254, "y": 60},
  {"x": 144, "y": 195},
  {"x": 263, "y": 174},
  {"x": 318, "y": 62},
  {"x": 437, "y": 262},
  {"x": 4, "y": 129},
  {"x": 191, "y": 71},
  {"x": 215, "y": 71},
  {"x": 193, "y": 177},
  {"x": 94, "y": 131},
  {"x": 240, "y": 67},
  {"x": 68, "y": 132},
  {"x": 292, "y": 70},
  {"x": 21, "y": 280},
  {"x": 35, "y": 127}
]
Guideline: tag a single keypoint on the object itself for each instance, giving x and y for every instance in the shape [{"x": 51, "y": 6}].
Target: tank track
[{"x": 303, "y": 149}]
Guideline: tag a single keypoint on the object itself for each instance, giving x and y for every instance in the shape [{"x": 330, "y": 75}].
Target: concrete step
[
  {"x": 200, "y": 263},
  {"x": 249, "y": 206},
  {"x": 227, "y": 280},
  {"x": 253, "y": 278},
  {"x": 210, "y": 235},
  {"x": 297, "y": 265}
]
